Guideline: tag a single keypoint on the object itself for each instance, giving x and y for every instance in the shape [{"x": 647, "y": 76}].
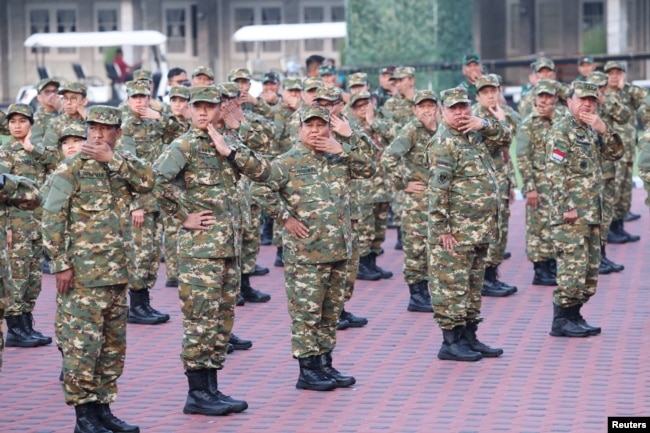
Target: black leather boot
[
  {"x": 249, "y": 293},
  {"x": 492, "y": 287},
  {"x": 140, "y": 312},
  {"x": 258, "y": 271},
  {"x": 87, "y": 421},
  {"x": 111, "y": 422},
  {"x": 505, "y": 286},
  {"x": 240, "y": 300},
  {"x": 603, "y": 267},
  {"x": 365, "y": 273},
  {"x": 453, "y": 350},
  {"x": 603, "y": 258},
  {"x": 614, "y": 236},
  {"x": 240, "y": 343},
  {"x": 551, "y": 266},
  {"x": 631, "y": 217},
  {"x": 199, "y": 398},
  {"x": 630, "y": 237},
  {"x": 398, "y": 244},
  {"x": 28, "y": 325},
  {"x": 17, "y": 335},
  {"x": 577, "y": 318},
  {"x": 342, "y": 324},
  {"x": 372, "y": 260},
  {"x": 354, "y": 321},
  {"x": 230, "y": 348},
  {"x": 542, "y": 276},
  {"x": 419, "y": 300},
  {"x": 267, "y": 231},
  {"x": 342, "y": 380},
  {"x": 469, "y": 335},
  {"x": 312, "y": 375},
  {"x": 564, "y": 326},
  {"x": 278, "y": 258},
  {"x": 237, "y": 405}
]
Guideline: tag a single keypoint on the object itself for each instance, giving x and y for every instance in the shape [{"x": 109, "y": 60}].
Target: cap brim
[
  {"x": 314, "y": 116},
  {"x": 458, "y": 101}
]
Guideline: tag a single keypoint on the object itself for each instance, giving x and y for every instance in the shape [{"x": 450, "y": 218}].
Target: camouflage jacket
[
  {"x": 463, "y": 187},
  {"x": 375, "y": 189},
  {"x": 644, "y": 163},
  {"x": 262, "y": 108},
  {"x": 471, "y": 89},
  {"x": 382, "y": 96},
  {"x": 315, "y": 189},
  {"x": 617, "y": 116},
  {"x": 286, "y": 131},
  {"x": 573, "y": 168},
  {"x": 83, "y": 227},
  {"x": 4, "y": 128},
  {"x": 634, "y": 97},
  {"x": 398, "y": 109},
  {"x": 527, "y": 101},
  {"x": 50, "y": 140},
  {"x": 42, "y": 118}
]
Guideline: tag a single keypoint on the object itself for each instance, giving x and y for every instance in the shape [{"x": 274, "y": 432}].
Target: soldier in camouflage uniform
[
  {"x": 202, "y": 76},
  {"x": 634, "y": 98},
  {"x": 532, "y": 157},
  {"x": 386, "y": 88},
  {"x": 472, "y": 70},
  {"x": 20, "y": 192},
  {"x": 198, "y": 187},
  {"x": 578, "y": 142},
  {"x": 488, "y": 107},
  {"x": 147, "y": 78},
  {"x": 308, "y": 192},
  {"x": 544, "y": 69},
  {"x": 20, "y": 156},
  {"x": 405, "y": 161},
  {"x": 464, "y": 202},
  {"x": 249, "y": 103},
  {"x": 83, "y": 233},
  {"x": 586, "y": 66},
  {"x": 4, "y": 130},
  {"x": 49, "y": 103},
  {"x": 644, "y": 162}
]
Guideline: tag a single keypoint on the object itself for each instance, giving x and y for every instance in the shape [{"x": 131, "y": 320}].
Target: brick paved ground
[{"x": 541, "y": 384}]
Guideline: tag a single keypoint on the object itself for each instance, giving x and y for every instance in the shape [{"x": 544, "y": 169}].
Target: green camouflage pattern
[
  {"x": 137, "y": 88},
  {"x": 45, "y": 82},
  {"x": 310, "y": 83},
  {"x": 143, "y": 75},
  {"x": 23, "y": 109},
  {"x": 51, "y": 135},
  {"x": 73, "y": 87},
  {"x": 398, "y": 109},
  {"x": 209, "y": 94},
  {"x": 179, "y": 92},
  {"x": 4, "y": 127},
  {"x": 203, "y": 70},
  {"x": 239, "y": 73},
  {"x": 527, "y": 102},
  {"x": 644, "y": 163},
  {"x": 326, "y": 70}
]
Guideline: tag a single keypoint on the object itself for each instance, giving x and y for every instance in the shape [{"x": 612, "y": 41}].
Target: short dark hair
[
  {"x": 314, "y": 59},
  {"x": 174, "y": 72}
]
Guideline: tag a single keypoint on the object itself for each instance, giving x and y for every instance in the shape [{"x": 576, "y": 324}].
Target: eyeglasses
[
  {"x": 73, "y": 100},
  {"x": 50, "y": 92}
]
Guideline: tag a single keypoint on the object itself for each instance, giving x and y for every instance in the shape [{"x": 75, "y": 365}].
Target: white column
[
  {"x": 126, "y": 24},
  {"x": 616, "y": 26}
]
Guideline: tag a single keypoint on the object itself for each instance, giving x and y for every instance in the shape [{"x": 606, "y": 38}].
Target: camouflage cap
[
  {"x": 489, "y": 80},
  {"x": 24, "y": 109},
  {"x": 583, "y": 89},
  {"x": 271, "y": 77},
  {"x": 310, "y": 83},
  {"x": 73, "y": 87},
  {"x": 105, "y": 115},
  {"x": 229, "y": 89},
  {"x": 238, "y": 73},
  {"x": 179, "y": 92},
  {"x": 598, "y": 78},
  {"x": 387, "y": 70},
  {"x": 453, "y": 96},
  {"x": 142, "y": 74},
  {"x": 585, "y": 59},
  {"x": 203, "y": 70},
  {"x": 140, "y": 87},
  {"x": 73, "y": 130},
  {"x": 205, "y": 94},
  {"x": 314, "y": 111},
  {"x": 471, "y": 58},
  {"x": 544, "y": 62},
  {"x": 613, "y": 64},
  {"x": 45, "y": 82},
  {"x": 546, "y": 86},
  {"x": 329, "y": 93},
  {"x": 403, "y": 72},
  {"x": 326, "y": 70},
  {"x": 293, "y": 83},
  {"x": 358, "y": 79},
  {"x": 359, "y": 97},
  {"x": 425, "y": 95}
]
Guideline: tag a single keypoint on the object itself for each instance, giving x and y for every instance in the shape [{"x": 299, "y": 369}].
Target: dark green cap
[
  {"x": 45, "y": 82},
  {"x": 598, "y": 78},
  {"x": 583, "y": 89},
  {"x": 271, "y": 77},
  {"x": 23, "y": 109},
  {"x": 329, "y": 93},
  {"x": 358, "y": 79},
  {"x": 613, "y": 64},
  {"x": 140, "y": 87},
  {"x": 585, "y": 59},
  {"x": 425, "y": 95},
  {"x": 229, "y": 89},
  {"x": 104, "y": 114},
  {"x": 73, "y": 130},
  {"x": 546, "y": 86},
  {"x": 544, "y": 62},
  {"x": 326, "y": 70},
  {"x": 489, "y": 80},
  {"x": 142, "y": 74},
  {"x": 238, "y": 73},
  {"x": 292, "y": 83},
  {"x": 403, "y": 72},
  {"x": 314, "y": 111},
  {"x": 179, "y": 92},
  {"x": 205, "y": 94},
  {"x": 312, "y": 83},
  {"x": 203, "y": 70},
  {"x": 453, "y": 96},
  {"x": 359, "y": 97},
  {"x": 471, "y": 58},
  {"x": 73, "y": 87}
]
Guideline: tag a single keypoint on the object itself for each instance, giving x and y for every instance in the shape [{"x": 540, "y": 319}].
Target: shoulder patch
[
  {"x": 441, "y": 178},
  {"x": 59, "y": 193},
  {"x": 558, "y": 155}
]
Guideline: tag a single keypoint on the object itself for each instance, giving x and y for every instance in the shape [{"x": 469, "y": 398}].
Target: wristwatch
[
  {"x": 231, "y": 155},
  {"x": 485, "y": 124}
]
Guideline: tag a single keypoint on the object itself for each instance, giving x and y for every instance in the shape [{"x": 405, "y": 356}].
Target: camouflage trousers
[
  {"x": 170, "y": 245},
  {"x": 609, "y": 194},
  {"x": 372, "y": 227},
  {"x": 2, "y": 339},
  {"x": 92, "y": 337},
  {"x": 623, "y": 188},
  {"x": 414, "y": 237},
  {"x": 396, "y": 207},
  {"x": 315, "y": 295},
  {"x": 353, "y": 263},
  {"x": 250, "y": 247},
  {"x": 496, "y": 250},
  {"x": 207, "y": 291},
  {"x": 539, "y": 245},
  {"x": 147, "y": 242},
  {"x": 455, "y": 282},
  {"x": 578, "y": 258},
  {"x": 26, "y": 261}
]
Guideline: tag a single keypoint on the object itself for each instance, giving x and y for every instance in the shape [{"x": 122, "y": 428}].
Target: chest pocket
[
  {"x": 145, "y": 145},
  {"x": 94, "y": 194},
  {"x": 471, "y": 166},
  {"x": 582, "y": 158}
]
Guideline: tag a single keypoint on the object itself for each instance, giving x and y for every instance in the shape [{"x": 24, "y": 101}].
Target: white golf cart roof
[
  {"x": 96, "y": 39},
  {"x": 285, "y": 32}
]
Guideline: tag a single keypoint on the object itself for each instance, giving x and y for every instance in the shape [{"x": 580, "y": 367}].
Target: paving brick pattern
[{"x": 540, "y": 384}]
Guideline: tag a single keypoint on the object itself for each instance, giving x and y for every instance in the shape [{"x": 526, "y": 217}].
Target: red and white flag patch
[{"x": 558, "y": 155}]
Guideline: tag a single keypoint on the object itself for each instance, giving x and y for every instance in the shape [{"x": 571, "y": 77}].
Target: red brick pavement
[{"x": 540, "y": 384}]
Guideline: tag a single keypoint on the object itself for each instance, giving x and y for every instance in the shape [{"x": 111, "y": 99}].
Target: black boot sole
[
  {"x": 195, "y": 410},
  {"x": 544, "y": 283},
  {"x": 12, "y": 343},
  {"x": 446, "y": 357},
  {"x": 311, "y": 387},
  {"x": 568, "y": 335},
  {"x": 418, "y": 309}
]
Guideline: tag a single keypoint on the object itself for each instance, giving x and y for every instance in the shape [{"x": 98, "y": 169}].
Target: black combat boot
[
  {"x": 492, "y": 287},
  {"x": 87, "y": 421},
  {"x": 199, "y": 398},
  {"x": 258, "y": 271},
  {"x": 342, "y": 380},
  {"x": 630, "y": 237},
  {"x": 551, "y": 266},
  {"x": 564, "y": 326},
  {"x": 312, "y": 375},
  {"x": 353, "y": 321},
  {"x": 603, "y": 258},
  {"x": 237, "y": 405},
  {"x": 542, "y": 275},
  {"x": 278, "y": 258},
  {"x": 372, "y": 261},
  {"x": 267, "y": 231},
  {"x": 604, "y": 268},
  {"x": 506, "y": 255},
  {"x": 420, "y": 299},
  {"x": 28, "y": 325},
  {"x": 631, "y": 217},
  {"x": 140, "y": 310},
  {"x": 240, "y": 300},
  {"x": 249, "y": 293},
  {"x": 398, "y": 244},
  {"x": 111, "y": 422},
  {"x": 240, "y": 343},
  {"x": 469, "y": 336},
  {"x": 229, "y": 348},
  {"x": 453, "y": 350},
  {"x": 365, "y": 273},
  {"x": 577, "y": 318},
  {"x": 171, "y": 283},
  {"x": 17, "y": 335},
  {"x": 505, "y": 286},
  {"x": 614, "y": 236},
  {"x": 342, "y": 324}
]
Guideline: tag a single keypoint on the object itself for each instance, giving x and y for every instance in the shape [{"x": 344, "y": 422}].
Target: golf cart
[{"x": 99, "y": 92}]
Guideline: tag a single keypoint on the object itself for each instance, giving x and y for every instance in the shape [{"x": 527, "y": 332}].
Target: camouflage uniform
[
  {"x": 83, "y": 232},
  {"x": 575, "y": 176},
  {"x": 644, "y": 163},
  {"x": 20, "y": 192},
  {"x": 4, "y": 130},
  {"x": 527, "y": 102}
]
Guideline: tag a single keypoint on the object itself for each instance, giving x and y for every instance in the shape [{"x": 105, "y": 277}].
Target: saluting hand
[
  {"x": 341, "y": 126},
  {"x": 218, "y": 142},
  {"x": 296, "y": 228}
]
